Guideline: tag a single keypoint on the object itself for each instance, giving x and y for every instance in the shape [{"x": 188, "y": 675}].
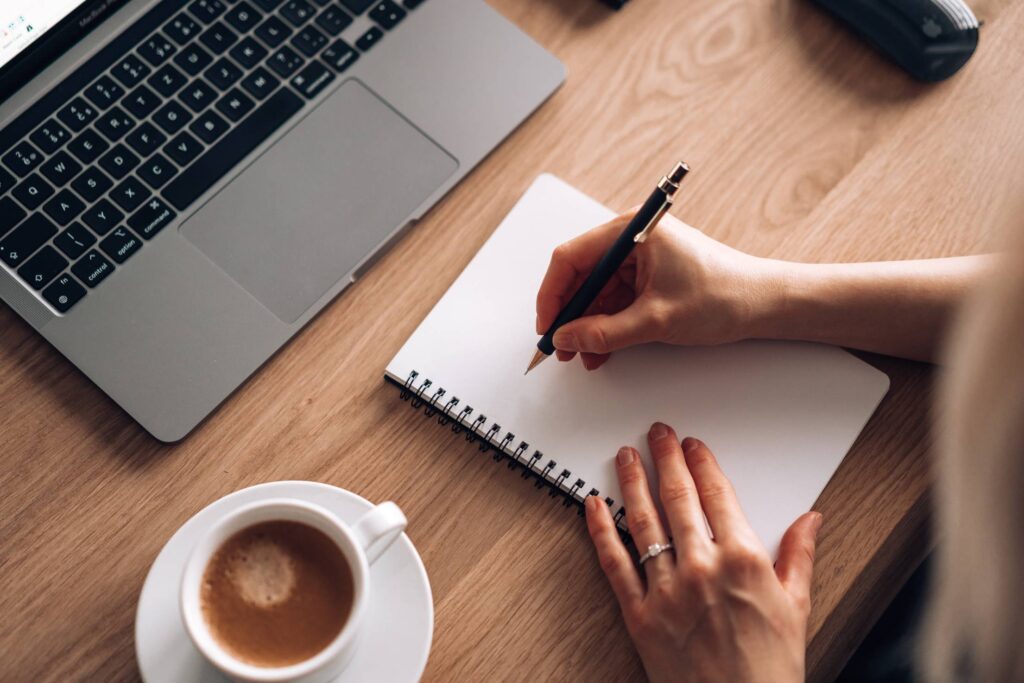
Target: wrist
[{"x": 776, "y": 303}]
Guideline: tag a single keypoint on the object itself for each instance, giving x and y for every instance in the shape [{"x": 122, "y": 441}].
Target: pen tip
[{"x": 538, "y": 358}]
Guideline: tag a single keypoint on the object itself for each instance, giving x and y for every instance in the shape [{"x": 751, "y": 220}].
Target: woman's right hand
[{"x": 680, "y": 286}]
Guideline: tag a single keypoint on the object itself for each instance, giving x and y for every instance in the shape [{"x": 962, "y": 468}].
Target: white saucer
[{"x": 399, "y": 623}]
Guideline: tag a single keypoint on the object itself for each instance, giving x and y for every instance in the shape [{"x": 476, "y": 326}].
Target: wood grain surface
[{"x": 805, "y": 144}]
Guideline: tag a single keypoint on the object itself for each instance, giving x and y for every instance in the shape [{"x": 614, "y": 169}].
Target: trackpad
[{"x": 313, "y": 206}]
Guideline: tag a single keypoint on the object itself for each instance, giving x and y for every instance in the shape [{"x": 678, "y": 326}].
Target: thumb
[
  {"x": 795, "y": 566},
  {"x": 605, "y": 333}
]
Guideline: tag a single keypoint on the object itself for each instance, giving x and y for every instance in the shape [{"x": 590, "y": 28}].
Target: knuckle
[
  {"x": 597, "y": 339},
  {"x": 698, "y": 573},
  {"x": 640, "y": 522},
  {"x": 715, "y": 490},
  {"x": 674, "y": 492},
  {"x": 660, "y": 316},
  {"x": 630, "y": 475},
  {"x": 609, "y": 562},
  {"x": 561, "y": 253},
  {"x": 803, "y": 603},
  {"x": 743, "y": 558},
  {"x": 663, "y": 592}
]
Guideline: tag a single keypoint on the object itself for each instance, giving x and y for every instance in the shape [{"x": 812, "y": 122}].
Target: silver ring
[{"x": 654, "y": 550}]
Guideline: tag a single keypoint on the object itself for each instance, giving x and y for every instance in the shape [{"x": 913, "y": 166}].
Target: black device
[{"x": 930, "y": 39}]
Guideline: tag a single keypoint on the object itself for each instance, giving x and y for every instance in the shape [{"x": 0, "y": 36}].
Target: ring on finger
[{"x": 656, "y": 549}]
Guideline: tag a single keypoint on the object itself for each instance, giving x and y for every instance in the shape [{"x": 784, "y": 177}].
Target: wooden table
[{"x": 804, "y": 145}]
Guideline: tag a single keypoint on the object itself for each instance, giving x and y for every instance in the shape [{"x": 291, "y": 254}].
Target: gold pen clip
[{"x": 670, "y": 186}]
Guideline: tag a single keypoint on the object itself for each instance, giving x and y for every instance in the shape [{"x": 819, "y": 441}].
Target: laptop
[{"x": 184, "y": 184}]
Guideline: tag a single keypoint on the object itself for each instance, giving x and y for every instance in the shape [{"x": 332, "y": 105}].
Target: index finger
[{"x": 571, "y": 261}]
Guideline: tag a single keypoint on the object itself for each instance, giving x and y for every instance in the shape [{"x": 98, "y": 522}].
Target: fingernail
[
  {"x": 624, "y": 456},
  {"x": 565, "y": 341},
  {"x": 817, "y": 522},
  {"x": 659, "y": 430},
  {"x": 689, "y": 444}
]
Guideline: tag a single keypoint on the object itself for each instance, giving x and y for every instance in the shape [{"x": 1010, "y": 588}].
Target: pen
[{"x": 636, "y": 232}]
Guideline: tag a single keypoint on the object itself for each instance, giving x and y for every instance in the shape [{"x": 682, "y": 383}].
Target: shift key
[{"x": 232, "y": 148}]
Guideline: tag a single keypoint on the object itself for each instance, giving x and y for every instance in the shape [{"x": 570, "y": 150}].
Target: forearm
[{"x": 899, "y": 308}]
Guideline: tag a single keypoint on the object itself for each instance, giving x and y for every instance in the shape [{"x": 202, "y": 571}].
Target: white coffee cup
[{"x": 361, "y": 544}]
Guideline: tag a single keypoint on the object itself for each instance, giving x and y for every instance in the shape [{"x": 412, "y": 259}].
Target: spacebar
[{"x": 226, "y": 154}]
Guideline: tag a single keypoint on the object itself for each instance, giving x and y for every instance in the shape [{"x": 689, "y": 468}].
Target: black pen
[{"x": 636, "y": 232}]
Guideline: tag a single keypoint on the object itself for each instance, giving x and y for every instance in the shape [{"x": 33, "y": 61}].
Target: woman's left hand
[{"x": 715, "y": 609}]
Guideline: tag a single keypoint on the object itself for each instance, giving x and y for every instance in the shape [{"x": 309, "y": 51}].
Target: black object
[
  {"x": 616, "y": 4},
  {"x": 930, "y": 39},
  {"x": 644, "y": 220}
]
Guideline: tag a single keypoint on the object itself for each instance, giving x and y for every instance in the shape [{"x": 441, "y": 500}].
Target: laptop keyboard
[{"x": 107, "y": 158}]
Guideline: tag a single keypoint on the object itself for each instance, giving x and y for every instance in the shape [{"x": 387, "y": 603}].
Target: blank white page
[{"x": 779, "y": 416}]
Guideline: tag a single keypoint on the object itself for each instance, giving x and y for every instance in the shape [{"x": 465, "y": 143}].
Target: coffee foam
[{"x": 263, "y": 573}]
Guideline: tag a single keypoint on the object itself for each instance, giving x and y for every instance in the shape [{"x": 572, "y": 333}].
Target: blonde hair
[{"x": 975, "y": 627}]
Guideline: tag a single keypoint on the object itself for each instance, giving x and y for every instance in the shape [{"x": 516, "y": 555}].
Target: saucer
[{"x": 398, "y": 626}]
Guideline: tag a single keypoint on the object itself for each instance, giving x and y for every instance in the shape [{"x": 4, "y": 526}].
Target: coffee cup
[{"x": 242, "y": 563}]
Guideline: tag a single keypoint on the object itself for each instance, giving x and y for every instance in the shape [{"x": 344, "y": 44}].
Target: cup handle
[{"x": 378, "y": 529}]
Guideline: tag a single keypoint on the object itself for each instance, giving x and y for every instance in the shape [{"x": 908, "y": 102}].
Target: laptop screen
[{"x": 35, "y": 32}]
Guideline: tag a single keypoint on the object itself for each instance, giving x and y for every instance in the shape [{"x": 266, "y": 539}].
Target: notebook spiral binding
[{"x": 436, "y": 402}]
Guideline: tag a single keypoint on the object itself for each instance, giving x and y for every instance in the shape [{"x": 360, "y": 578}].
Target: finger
[
  {"x": 717, "y": 496},
  {"x": 641, "y": 516},
  {"x": 612, "y": 554},
  {"x": 592, "y": 361},
  {"x": 607, "y": 333},
  {"x": 795, "y": 566},
  {"x": 676, "y": 488},
  {"x": 564, "y": 356},
  {"x": 570, "y": 262}
]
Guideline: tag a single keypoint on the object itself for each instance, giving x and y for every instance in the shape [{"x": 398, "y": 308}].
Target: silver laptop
[{"x": 185, "y": 183}]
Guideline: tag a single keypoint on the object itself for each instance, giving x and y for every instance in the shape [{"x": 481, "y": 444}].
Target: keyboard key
[
  {"x": 157, "y": 50},
  {"x": 130, "y": 71},
  {"x": 248, "y": 53},
  {"x": 43, "y": 267},
  {"x": 141, "y": 102},
  {"x": 33, "y": 191},
  {"x": 130, "y": 193},
  {"x": 157, "y": 171},
  {"x": 104, "y": 92},
  {"x": 119, "y": 161},
  {"x": 208, "y": 127},
  {"x": 235, "y": 105},
  {"x": 7, "y": 181},
  {"x": 17, "y": 246},
  {"x": 356, "y": 6},
  {"x": 183, "y": 149},
  {"x": 168, "y": 80},
  {"x": 207, "y": 11},
  {"x": 285, "y": 62},
  {"x": 93, "y": 268},
  {"x": 260, "y": 83},
  {"x": 218, "y": 38},
  {"x": 369, "y": 39},
  {"x": 120, "y": 244},
  {"x": 268, "y": 5},
  {"x": 64, "y": 208},
  {"x": 64, "y": 293},
  {"x": 23, "y": 159},
  {"x": 50, "y": 136},
  {"x": 273, "y": 32},
  {"x": 145, "y": 139},
  {"x": 309, "y": 41},
  {"x": 232, "y": 148},
  {"x": 10, "y": 215},
  {"x": 182, "y": 29},
  {"x": 313, "y": 79},
  {"x": 74, "y": 240},
  {"x": 193, "y": 59},
  {"x": 334, "y": 20},
  {"x": 103, "y": 217},
  {"x": 92, "y": 184},
  {"x": 340, "y": 55},
  {"x": 387, "y": 14},
  {"x": 151, "y": 218},
  {"x": 243, "y": 17},
  {"x": 115, "y": 124},
  {"x": 60, "y": 168},
  {"x": 298, "y": 12},
  {"x": 88, "y": 146},
  {"x": 223, "y": 74},
  {"x": 198, "y": 95},
  {"x": 172, "y": 117},
  {"x": 77, "y": 114}
]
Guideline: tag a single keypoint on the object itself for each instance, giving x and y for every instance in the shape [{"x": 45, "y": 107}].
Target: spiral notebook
[{"x": 780, "y": 416}]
